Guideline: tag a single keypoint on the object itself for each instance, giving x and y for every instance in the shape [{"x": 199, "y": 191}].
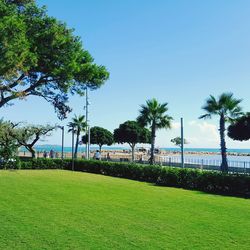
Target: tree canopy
[
  {"x": 227, "y": 107},
  {"x": 154, "y": 115},
  {"x": 29, "y": 135},
  {"x": 77, "y": 125},
  {"x": 177, "y": 141},
  {"x": 240, "y": 129},
  {"x": 99, "y": 136},
  {"x": 8, "y": 144},
  {"x": 41, "y": 56},
  {"x": 131, "y": 132}
]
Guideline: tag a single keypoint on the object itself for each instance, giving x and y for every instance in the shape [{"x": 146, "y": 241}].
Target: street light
[
  {"x": 87, "y": 125},
  {"x": 182, "y": 144},
  {"x": 62, "y": 128},
  {"x": 73, "y": 163}
]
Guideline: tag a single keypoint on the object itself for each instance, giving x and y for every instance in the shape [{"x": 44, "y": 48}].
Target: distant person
[
  {"x": 57, "y": 155},
  {"x": 97, "y": 155},
  {"x": 108, "y": 157},
  {"x": 45, "y": 154},
  {"x": 52, "y": 154}
]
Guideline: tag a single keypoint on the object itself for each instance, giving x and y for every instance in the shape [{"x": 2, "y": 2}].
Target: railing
[{"x": 242, "y": 167}]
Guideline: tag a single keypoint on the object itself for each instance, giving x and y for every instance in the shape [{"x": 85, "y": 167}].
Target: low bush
[
  {"x": 206, "y": 181},
  {"x": 40, "y": 163},
  {"x": 132, "y": 171}
]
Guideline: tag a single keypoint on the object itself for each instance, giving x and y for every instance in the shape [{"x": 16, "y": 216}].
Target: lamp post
[
  {"x": 73, "y": 163},
  {"x": 87, "y": 125},
  {"x": 62, "y": 128},
  {"x": 182, "y": 144}
]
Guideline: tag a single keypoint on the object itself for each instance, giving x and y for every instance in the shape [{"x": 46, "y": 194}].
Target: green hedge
[
  {"x": 40, "y": 163},
  {"x": 207, "y": 181},
  {"x": 132, "y": 171}
]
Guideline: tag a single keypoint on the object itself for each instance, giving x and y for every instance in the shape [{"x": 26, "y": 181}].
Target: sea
[{"x": 58, "y": 148}]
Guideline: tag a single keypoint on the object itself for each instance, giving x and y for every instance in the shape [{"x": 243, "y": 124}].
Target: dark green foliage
[
  {"x": 124, "y": 170},
  {"x": 131, "y": 132},
  {"x": 99, "y": 136},
  {"x": 228, "y": 109},
  {"x": 154, "y": 115},
  {"x": 212, "y": 182},
  {"x": 77, "y": 125},
  {"x": 177, "y": 141},
  {"x": 8, "y": 144},
  {"x": 28, "y": 136},
  {"x": 206, "y": 181},
  {"x": 39, "y": 163},
  {"x": 41, "y": 56},
  {"x": 240, "y": 129}
]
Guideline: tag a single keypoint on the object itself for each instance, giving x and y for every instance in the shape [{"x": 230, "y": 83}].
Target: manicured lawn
[{"x": 70, "y": 210}]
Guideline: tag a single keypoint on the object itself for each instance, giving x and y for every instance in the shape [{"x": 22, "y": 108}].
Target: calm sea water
[{"x": 57, "y": 148}]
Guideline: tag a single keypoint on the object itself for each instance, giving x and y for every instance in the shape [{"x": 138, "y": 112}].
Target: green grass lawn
[{"x": 69, "y": 210}]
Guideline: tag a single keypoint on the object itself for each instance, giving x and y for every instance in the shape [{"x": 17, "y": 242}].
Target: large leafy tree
[
  {"x": 77, "y": 125},
  {"x": 228, "y": 109},
  {"x": 154, "y": 115},
  {"x": 40, "y": 56},
  {"x": 240, "y": 129},
  {"x": 131, "y": 132},
  {"x": 28, "y": 136},
  {"x": 99, "y": 136}
]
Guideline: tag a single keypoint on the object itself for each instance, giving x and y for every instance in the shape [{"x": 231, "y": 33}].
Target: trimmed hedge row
[
  {"x": 132, "y": 171},
  {"x": 207, "y": 181},
  {"x": 40, "y": 163}
]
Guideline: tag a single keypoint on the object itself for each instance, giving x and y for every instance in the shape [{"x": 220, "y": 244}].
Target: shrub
[{"x": 206, "y": 181}]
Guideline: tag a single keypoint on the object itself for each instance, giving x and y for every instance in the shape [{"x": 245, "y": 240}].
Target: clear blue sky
[{"x": 177, "y": 51}]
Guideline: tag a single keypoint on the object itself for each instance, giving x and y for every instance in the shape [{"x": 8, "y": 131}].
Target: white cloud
[
  {"x": 176, "y": 125},
  {"x": 200, "y": 134},
  {"x": 208, "y": 131}
]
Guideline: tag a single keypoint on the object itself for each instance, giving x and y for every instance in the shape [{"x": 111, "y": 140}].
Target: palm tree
[
  {"x": 78, "y": 124},
  {"x": 153, "y": 114},
  {"x": 228, "y": 109}
]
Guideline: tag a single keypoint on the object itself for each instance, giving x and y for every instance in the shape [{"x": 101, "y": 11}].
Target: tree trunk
[
  {"x": 133, "y": 152},
  {"x": 152, "y": 155},
  {"x": 33, "y": 152},
  {"x": 224, "y": 164},
  {"x": 100, "y": 148},
  {"x": 77, "y": 142}
]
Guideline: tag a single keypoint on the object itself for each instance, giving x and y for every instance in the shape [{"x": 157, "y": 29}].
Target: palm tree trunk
[
  {"x": 152, "y": 157},
  {"x": 224, "y": 164},
  {"x": 77, "y": 141}
]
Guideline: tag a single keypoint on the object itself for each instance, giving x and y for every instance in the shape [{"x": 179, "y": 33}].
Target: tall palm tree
[
  {"x": 228, "y": 109},
  {"x": 78, "y": 124},
  {"x": 153, "y": 114}
]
